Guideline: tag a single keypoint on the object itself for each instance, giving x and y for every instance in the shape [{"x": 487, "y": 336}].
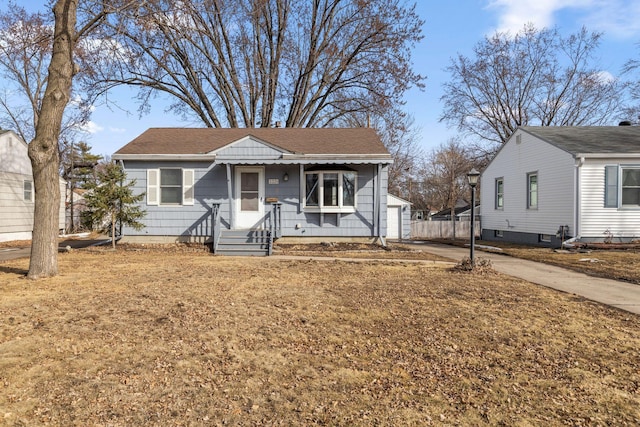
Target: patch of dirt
[
  {"x": 356, "y": 250},
  {"x": 156, "y": 338}
]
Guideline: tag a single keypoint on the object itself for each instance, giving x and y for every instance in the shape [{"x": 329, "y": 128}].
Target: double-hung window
[
  {"x": 622, "y": 186},
  {"x": 631, "y": 187},
  {"x": 532, "y": 190},
  {"x": 499, "y": 193},
  {"x": 330, "y": 191},
  {"x": 170, "y": 186},
  {"x": 27, "y": 190}
]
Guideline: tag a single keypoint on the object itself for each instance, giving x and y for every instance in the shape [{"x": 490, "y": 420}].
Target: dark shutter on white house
[{"x": 611, "y": 186}]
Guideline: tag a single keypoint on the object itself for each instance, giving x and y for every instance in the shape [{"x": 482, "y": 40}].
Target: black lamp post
[{"x": 473, "y": 176}]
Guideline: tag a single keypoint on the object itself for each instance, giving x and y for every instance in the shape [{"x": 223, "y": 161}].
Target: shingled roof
[
  {"x": 316, "y": 141},
  {"x": 589, "y": 139}
]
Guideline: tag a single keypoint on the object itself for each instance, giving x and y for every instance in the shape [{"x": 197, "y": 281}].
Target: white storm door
[{"x": 249, "y": 197}]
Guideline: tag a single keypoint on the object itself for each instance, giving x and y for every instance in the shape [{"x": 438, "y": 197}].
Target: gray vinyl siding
[
  {"x": 211, "y": 187},
  {"x": 595, "y": 219},
  {"x": 248, "y": 150},
  {"x": 556, "y": 187}
]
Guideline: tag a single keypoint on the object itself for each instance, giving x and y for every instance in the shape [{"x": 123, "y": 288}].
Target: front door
[{"x": 249, "y": 197}]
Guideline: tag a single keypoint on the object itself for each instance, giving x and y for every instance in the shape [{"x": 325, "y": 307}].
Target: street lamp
[{"x": 472, "y": 177}]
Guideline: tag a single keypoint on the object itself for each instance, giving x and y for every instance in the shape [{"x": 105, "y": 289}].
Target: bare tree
[
  {"x": 25, "y": 51},
  {"x": 247, "y": 63},
  {"x": 445, "y": 175},
  {"x": 400, "y": 136},
  {"x": 536, "y": 78},
  {"x": 44, "y": 148}
]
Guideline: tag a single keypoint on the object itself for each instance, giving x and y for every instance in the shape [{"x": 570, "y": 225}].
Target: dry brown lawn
[{"x": 146, "y": 337}]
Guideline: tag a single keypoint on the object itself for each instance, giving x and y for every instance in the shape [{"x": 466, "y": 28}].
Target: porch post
[
  {"x": 232, "y": 220},
  {"x": 378, "y": 208},
  {"x": 302, "y": 188}
]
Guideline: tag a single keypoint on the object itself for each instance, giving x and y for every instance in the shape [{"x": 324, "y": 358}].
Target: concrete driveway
[{"x": 24, "y": 252}]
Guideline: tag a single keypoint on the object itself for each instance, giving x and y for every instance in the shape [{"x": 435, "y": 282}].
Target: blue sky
[{"x": 451, "y": 27}]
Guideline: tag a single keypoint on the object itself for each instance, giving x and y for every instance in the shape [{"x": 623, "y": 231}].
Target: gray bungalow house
[{"x": 239, "y": 189}]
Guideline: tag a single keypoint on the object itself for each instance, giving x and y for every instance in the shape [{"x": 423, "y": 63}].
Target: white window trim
[
  {"x": 29, "y": 199},
  {"x": 154, "y": 188},
  {"x": 621, "y": 186},
  {"x": 617, "y": 187},
  {"x": 499, "y": 195},
  {"x": 529, "y": 205},
  {"x": 329, "y": 209}
]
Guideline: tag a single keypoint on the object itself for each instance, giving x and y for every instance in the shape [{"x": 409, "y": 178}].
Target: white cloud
[
  {"x": 514, "y": 14},
  {"x": 616, "y": 18},
  {"x": 91, "y": 127}
]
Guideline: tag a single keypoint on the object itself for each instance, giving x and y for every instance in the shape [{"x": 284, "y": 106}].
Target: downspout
[
  {"x": 578, "y": 199},
  {"x": 378, "y": 209},
  {"x": 120, "y": 232},
  {"x": 230, "y": 198}
]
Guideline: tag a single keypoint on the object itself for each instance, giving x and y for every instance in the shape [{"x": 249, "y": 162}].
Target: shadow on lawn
[{"x": 18, "y": 271}]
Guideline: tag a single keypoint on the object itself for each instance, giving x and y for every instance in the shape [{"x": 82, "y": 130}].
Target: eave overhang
[{"x": 167, "y": 157}]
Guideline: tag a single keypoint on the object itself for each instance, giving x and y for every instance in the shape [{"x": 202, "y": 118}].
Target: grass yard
[
  {"x": 152, "y": 338},
  {"x": 617, "y": 264}
]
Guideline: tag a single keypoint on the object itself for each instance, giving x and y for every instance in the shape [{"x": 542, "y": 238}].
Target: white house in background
[
  {"x": 16, "y": 190},
  {"x": 546, "y": 183}
]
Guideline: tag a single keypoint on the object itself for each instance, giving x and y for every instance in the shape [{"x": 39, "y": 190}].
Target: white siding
[
  {"x": 13, "y": 154},
  {"x": 595, "y": 218},
  {"x": 16, "y": 214},
  {"x": 556, "y": 187}
]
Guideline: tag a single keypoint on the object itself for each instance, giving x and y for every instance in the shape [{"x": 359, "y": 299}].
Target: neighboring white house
[
  {"x": 549, "y": 183},
  {"x": 17, "y": 194}
]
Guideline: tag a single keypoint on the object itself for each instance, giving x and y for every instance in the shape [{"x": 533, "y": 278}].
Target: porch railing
[
  {"x": 275, "y": 220},
  {"x": 215, "y": 226},
  {"x": 275, "y": 224}
]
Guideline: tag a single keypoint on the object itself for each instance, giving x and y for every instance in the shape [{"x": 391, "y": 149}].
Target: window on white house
[
  {"x": 499, "y": 193},
  {"x": 532, "y": 190},
  {"x": 631, "y": 187},
  {"x": 27, "y": 191},
  {"x": 498, "y": 233},
  {"x": 622, "y": 186},
  {"x": 544, "y": 238},
  {"x": 330, "y": 191}
]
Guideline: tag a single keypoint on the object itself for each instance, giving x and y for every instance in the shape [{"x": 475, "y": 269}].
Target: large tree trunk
[{"x": 44, "y": 150}]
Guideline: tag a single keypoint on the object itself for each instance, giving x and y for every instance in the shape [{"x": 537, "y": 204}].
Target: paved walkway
[
  {"x": 79, "y": 243},
  {"x": 625, "y": 296}
]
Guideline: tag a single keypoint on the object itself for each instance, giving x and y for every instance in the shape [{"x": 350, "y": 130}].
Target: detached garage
[{"x": 398, "y": 218}]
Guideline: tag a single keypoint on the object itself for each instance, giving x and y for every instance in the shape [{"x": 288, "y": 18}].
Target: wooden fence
[{"x": 442, "y": 229}]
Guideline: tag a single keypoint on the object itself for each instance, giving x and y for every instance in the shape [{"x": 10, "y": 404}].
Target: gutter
[{"x": 166, "y": 157}]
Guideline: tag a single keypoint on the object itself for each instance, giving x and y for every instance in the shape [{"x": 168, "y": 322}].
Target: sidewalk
[{"x": 625, "y": 296}]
